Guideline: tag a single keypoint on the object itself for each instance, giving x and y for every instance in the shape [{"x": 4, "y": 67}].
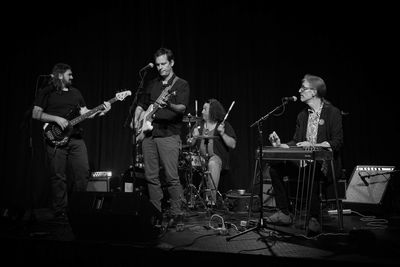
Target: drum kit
[{"x": 193, "y": 165}]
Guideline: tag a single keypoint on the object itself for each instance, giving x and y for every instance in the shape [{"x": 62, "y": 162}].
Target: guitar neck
[
  {"x": 90, "y": 113},
  {"x": 164, "y": 95}
]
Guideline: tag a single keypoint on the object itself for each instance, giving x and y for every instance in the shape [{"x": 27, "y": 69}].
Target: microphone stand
[
  {"x": 362, "y": 177},
  {"x": 28, "y": 123},
  {"x": 130, "y": 117},
  {"x": 260, "y": 224}
]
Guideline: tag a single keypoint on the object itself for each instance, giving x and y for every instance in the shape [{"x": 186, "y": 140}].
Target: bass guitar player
[{"x": 51, "y": 105}]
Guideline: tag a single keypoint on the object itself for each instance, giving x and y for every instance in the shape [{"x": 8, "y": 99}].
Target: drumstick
[
  {"x": 226, "y": 115},
  {"x": 195, "y": 102}
]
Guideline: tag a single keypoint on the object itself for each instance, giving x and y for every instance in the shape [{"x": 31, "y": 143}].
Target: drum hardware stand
[
  {"x": 193, "y": 191},
  {"x": 207, "y": 175},
  {"x": 261, "y": 224}
]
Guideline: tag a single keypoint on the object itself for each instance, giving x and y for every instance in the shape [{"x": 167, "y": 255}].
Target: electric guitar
[
  {"x": 145, "y": 122},
  {"x": 58, "y": 137}
]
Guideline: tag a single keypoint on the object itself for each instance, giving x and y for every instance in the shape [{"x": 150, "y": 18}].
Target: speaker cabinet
[
  {"x": 99, "y": 181},
  {"x": 98, "y": 184},
  {"x": 368, "y": 184},
  {"x": 113, "y": 216}
]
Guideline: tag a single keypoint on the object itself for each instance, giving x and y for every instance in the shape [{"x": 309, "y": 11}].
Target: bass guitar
[
  {"x": 145, "y": 122},
  {"x": 58, "y": 137}
]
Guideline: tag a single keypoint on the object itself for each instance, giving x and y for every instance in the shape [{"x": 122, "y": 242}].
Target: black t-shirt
[
  {"x": 60, "y": 103},
  {"x": 218, "y": 145},
  {"x": 166, "y": 122}
]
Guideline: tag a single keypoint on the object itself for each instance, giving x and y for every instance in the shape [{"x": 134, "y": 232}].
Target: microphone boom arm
[
  {"x": 267, "y": 115},
  {"x": 363, "y": 177}
]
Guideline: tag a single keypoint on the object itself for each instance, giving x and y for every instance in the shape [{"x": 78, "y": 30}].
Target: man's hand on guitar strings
[
  {"x": 163, "y": 103},
  {"x": 107, "y": 107},
  {"x": 63, "y": 123}
]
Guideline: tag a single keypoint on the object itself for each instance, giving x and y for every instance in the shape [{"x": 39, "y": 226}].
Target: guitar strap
[
  {"x": 169, "y": 84},
  {"x": 167, "y": 87}
]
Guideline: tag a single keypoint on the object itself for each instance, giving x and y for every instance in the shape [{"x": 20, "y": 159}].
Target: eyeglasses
[{"x": 303, "y": 88}]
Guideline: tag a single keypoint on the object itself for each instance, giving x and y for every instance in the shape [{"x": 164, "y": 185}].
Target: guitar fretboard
[{"x": 90, "y": 113}]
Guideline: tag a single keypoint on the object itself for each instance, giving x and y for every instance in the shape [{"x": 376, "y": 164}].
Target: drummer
[{"x": 214, "y": 137}]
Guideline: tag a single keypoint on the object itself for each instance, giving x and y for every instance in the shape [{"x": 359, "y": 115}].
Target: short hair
[
  {"x": 164, "y": 51},
  {"x": 317, "y": 83},
  {"x": 216, "y": 111}
]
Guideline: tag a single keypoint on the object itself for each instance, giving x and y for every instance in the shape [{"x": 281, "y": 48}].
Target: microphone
[
  {"x": 289, "y": 98},
  {"x": 47, "y": 75},
  {"x": 148, "y": 66}
]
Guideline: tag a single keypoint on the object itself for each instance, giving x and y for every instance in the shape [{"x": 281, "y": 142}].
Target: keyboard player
[{"x": 318, "y": 125}]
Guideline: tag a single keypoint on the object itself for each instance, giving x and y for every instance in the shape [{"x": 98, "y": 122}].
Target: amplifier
[
  {"x": 99, "y": 181},
  {"x": 368, "y": 184}
]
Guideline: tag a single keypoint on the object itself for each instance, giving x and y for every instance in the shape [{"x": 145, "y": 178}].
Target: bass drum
[
  {"x": 195, "y": 160},
  {"x": 190, "y": 168}
]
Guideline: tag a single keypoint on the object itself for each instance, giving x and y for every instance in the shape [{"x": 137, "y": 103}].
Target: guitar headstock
[{"x": 122, "y": 95}]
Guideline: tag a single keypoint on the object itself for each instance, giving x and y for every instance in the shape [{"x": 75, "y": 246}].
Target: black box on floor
[{"x": 113, "y": 216}]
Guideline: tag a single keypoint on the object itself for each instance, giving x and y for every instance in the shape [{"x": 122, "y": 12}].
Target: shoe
[
  {"x": 211, "y": 204},
  {"x": 158, "y": 219},
  {"x": 175, "y": 220},
  {"x": 314, "y": 226},
  {"x": 60, "y": 216},
  {"x": 279, "y": 218}
]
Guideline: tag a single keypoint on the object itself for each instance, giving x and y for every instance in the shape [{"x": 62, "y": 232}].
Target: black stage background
[{"x": 250, "y": 53}]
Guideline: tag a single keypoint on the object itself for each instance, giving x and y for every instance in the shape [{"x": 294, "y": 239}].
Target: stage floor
[{"x": 37, "y": 237}]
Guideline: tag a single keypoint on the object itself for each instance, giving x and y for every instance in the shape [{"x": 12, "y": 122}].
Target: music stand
[{"x": 260, "y": 224}]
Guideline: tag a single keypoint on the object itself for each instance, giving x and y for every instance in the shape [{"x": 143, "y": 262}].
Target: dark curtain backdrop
[{"x": 250, "y": 53}]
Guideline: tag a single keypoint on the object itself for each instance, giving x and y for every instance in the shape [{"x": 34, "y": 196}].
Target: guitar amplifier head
[
  {"x": 99, "y": 181},
  {"x": 101, "y": 174}
]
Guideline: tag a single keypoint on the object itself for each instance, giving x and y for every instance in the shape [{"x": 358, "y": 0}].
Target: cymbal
[{"x": 191, "y": 119}]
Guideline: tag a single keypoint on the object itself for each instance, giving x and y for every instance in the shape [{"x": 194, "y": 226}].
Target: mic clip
[{"x": 362, "y": 177}]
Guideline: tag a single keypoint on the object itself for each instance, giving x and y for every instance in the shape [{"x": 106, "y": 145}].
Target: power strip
[{"x": 334, "y": 212}]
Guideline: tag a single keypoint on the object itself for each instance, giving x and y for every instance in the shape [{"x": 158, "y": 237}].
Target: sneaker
[
  {"x": 175, "y": 220},
  {"x": 314, "y": 226},
  {"x": 158, "y": 219},
  {"x": 279, "y": 218}
]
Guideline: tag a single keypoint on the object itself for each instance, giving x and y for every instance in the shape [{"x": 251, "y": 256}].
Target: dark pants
[
  {"x": 163, "y": 152},
  {"x": 69, "y": 169},
  {"x": 279, "y": 169}
]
